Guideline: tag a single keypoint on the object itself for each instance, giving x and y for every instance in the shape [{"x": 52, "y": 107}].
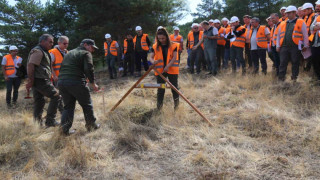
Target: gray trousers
[
  {"x": 287, "y": 54},
  {"x": 210, "y": 55},
  {"x": 237, "y": 53}
]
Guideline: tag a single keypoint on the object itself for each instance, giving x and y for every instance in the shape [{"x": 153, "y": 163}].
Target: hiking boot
[
  {"x": 68, "y": 132},
  {"x": 92, "y": 127},
  {"x": 52, "y": 124}
]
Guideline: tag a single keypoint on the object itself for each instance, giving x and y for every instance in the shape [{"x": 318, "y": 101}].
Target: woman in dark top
[{"x": 165, "y": 57}]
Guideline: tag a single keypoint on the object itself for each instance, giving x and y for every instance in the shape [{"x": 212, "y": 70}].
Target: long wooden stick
[
  {"x": 176, "y": 90},
  {"x": 134, "y": 86}
]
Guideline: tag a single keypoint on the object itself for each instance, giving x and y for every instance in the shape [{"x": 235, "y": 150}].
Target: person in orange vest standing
[
  {"x": 141, "y": 46},
  {"x": 309, "y": 16},
  {"x": 283, "y": 14},
  {"x": 177, "y": 38},
  {"x": 227, "y": 27},
  {"x": 111, "y": 52},
  {"x": 164, "y": 54},
  {"x": 315, "y": 41},
  {"x": 10, "y": 63},
  {"x": 259, "y": 36},
  {"x": 273, "y": 42},
  {"x": 291, "y": 33},
  {"x": 128, "y": 51},
  {"x": 57, "y": 54},
  {"x": 270, "y": 26},
  {"x": 221, "y": 42},
  {"x": 247, "y": 25},
  {"x": 237, "y": 38},
  {"x": 196, "y": 54}
]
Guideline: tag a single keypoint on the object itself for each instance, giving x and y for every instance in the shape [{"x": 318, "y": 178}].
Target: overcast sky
[{"x": 192, "y": 6}]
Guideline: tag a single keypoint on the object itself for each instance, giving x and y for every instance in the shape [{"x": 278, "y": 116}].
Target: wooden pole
[
  {"x": 134, "y": 86},
  {"x": 183, "y": 97}
]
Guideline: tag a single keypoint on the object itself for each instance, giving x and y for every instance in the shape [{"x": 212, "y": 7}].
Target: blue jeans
[
  {"x": 237, "y": 53},
  {"x": 211, "y": 57},
  {"x": 15, "y": 83},
  {"x": 111, "y": 61},
  {"x": 226, "y": 57}
]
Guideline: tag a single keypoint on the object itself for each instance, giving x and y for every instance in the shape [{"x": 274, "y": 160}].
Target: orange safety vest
[
  {"x": 221, "y": 40},
  {"x": 176, "y": 40},
  {"x": 9, "y": 67},
  {"x": 281, "y": 20},
  {"x": 191, "y": 39},
  {"x": 297, "y": 32},
  {"x": 262, "y": 40},
  {"x": 274, "y": 34},
  {"x": 308, "y": 21},
  {"x": 58, "y": 58},
  {"x": 240, "y": 41},
  {"x": 311, "y": 37},
  {"x": 113, "y": 48},
  {"x": 158, "y": 57},
  {"x": 144, "y": 44},
  {"x": 125, "y": 46}
]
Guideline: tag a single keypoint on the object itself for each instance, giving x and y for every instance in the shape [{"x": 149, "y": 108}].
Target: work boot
[
  {"x": 67, "y": 132},
  {"x": 176, "y": 104},
  {"x": 92, "y": 127},
  {"x": 53, "y": 123}
]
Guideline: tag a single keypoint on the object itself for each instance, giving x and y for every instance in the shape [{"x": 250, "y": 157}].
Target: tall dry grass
[{"x": 262, "y": 129}]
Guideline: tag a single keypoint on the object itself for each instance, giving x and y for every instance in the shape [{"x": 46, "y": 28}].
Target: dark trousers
[
  {"x": 71, "y": 92},
  {"x": 220, "y": 56},
  {"x": 276, "y": 59},
  {"x": 287, "y": 54},
  {"x": 141, "y": 56},
  {"x": 128, "y": 64},
  {"x": 196, "y": 56},
  {"x": 60, "y": 103},
  {"x": 173, "y": 78},
  {"x": 41, "y": 88},
  {"x": 316, "y": 60},
  {"x": 237, "y": 53},
  {"x": 210, "y": 55},
  {"x": 248, "y": 55},
  {"x": 111, "y": 62},
  {"x": 15, "y": 84},
  {"x": 256, "y": 55}
]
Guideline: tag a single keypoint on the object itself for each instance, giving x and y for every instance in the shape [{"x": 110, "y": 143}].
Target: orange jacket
[{"x": 158, "y": 57}]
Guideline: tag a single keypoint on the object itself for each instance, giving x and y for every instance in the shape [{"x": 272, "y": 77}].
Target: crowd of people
[{"x": 63, "y": 76}]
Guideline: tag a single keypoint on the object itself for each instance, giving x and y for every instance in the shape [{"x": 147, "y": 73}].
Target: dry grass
[{"x": 262, "y": 130}]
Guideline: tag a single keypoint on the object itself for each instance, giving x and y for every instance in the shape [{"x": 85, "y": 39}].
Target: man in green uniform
[{"x": 77, "y": 66}]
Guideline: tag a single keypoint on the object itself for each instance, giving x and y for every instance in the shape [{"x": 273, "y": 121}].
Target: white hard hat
[
  {"x": 160, "y": 27},
  {"x": 11, "y": 48},
  {"x": 176, "y": 28},
  {"x": 291, "y": 9},
  {"x": 318, "y": 2},
  {"x": 138, "y": 28},
  {"x": 234, "y": 19},
  {"x": 211, "y": 21},
  {"x": 217, "y": 21},
  {"x": 226, "y": 19},
  {"x": 194, "y": 24},
  {"x": 107, "y": 36},
  {"x": 283, "y": 8},
  {"x": 307, "y": 6}
]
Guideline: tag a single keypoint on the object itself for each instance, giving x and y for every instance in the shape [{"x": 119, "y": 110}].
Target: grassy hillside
[{"x": 262, "y": 129}]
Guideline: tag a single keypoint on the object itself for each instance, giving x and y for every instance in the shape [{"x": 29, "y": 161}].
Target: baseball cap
[
  {"x": 11, "y": 48},
  {"x": 89, "y": 42}
]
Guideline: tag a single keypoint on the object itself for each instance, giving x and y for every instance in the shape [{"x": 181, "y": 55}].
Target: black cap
[{"x": 89, "y": 42}]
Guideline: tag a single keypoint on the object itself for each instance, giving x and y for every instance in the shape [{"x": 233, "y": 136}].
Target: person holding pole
[{"x": 165, "y": 58}]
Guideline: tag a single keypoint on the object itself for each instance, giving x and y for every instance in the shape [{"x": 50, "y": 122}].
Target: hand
[
  {"x": 278, "y": 49},
  {"x": 19, "y": 64},
  {"x": 304, "y": 49},
  {"x": 95, "y": 86},
  {"x": 29, "y": 85},
  {"x": 166, "y": 69},
  {"x": 194, "y": 47}
]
